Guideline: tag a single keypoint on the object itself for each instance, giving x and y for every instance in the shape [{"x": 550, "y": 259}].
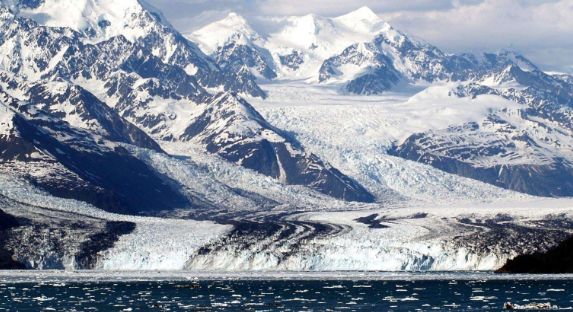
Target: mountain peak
[
  {"x": 362, "y": 14},
  {"x": 100, "y": 19},
  {"x": 234, "y": 19},
  {"x": 217, "y": 34}
]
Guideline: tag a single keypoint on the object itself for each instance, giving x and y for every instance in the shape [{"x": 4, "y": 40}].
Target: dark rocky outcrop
[
  {"x": 555, "y": 261},
  {"x": 7, "y": 261},
  {"x": 86, "y": 258},
  {"x": 234, "y": 57},
  {"x": 372, "y": 221},
  {"x": 38, "y": 238},
  {"x": 293, "y": 60}
]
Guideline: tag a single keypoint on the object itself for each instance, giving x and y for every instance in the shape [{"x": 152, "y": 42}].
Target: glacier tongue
[
  {"x": 159, "y": 244},
  {"x": 416, "y": 239},
  {"x": 475, "y": 236}
]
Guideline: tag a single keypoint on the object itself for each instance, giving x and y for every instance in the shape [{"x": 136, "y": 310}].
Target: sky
[{"x": 542, "y": 30}]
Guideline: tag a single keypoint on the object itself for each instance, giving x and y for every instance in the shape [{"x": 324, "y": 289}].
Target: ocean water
[{"x": 283, "y": 295}]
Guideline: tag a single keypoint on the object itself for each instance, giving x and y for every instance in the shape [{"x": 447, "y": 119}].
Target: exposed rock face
[
  {"x": 558, "y": 260},
  {"x": 7, "y": 262},
  {"x": 234, "y": 130},
  {"x": 292, "y": 60},
  {"x": 234, "y": 57},
  {"x": 72, "y": 163}
]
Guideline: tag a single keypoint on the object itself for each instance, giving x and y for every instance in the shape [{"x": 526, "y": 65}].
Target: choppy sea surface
[{"x": 279, "y": 292}]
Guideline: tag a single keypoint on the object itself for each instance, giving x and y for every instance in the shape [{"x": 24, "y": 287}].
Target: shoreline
[{"x": 15, "y": 277}]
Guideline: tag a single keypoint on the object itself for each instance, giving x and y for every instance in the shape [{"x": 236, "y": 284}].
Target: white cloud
[
  {"x": 329, "y": 7},
  {"x": 541, "y": 30}
]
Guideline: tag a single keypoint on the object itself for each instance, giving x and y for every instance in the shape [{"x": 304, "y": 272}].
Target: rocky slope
[
  {"x": 525, "y": 149},
  {"x": 555, "y": 261}
]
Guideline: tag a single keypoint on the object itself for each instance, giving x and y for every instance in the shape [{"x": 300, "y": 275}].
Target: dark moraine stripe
[{"x": 87, "y": 256}]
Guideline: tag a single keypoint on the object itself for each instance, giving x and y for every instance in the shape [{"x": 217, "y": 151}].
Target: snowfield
[{"x": 329, "y": 123}]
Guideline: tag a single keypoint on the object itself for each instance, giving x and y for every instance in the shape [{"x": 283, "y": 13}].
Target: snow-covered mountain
[
  {"x": 165, "y": 93},
  {"x": 72, "y": 163},
  {"x": 527, "y": 149},
  {"x": 233, "y": 129},
  {"x": 358, "y": 53},
  {"x": 98, "y": 20},
  {"x": 64, "y": 27},
  {"x": 292, "y": 47},
  {"x": 305, "y": 138},
  {"x": 236, "y": 46}
]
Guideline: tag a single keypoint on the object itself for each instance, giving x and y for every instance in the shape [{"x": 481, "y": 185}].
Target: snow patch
[{"x": 6, "y": 120}]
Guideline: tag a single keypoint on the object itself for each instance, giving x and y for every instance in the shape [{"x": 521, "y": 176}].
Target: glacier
[{"x": 325, "y": 144}]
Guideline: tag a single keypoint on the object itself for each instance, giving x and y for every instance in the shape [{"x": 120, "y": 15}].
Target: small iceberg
[{"x": 530, "y": 306}]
